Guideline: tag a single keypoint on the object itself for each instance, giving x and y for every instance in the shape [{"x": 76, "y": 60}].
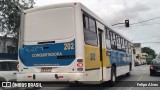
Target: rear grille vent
[{"x": 46, "y": 42}]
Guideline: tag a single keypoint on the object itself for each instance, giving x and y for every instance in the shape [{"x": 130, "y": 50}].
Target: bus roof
[
  {"x": 59, "y": 5},
  {"x": 72, "y": 4}
]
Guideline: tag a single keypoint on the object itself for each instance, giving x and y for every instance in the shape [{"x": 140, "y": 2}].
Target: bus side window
[
  {"x": 107, "y": 36},
  {"x": 85, "y": 22},
  {"x": 92, "y": 25},
  {"x": 90, "y": 34}
]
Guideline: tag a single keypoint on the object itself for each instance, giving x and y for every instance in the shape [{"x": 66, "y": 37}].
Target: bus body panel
[
  {"x": 41, "y": 45},
  {"x": 56, "y": 54}
]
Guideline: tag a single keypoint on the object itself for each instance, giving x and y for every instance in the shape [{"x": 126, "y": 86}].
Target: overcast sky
[{"x": 116, "y": 11}]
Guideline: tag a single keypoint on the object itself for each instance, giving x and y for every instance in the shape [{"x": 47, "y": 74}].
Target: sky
[{"x": 117, "y": 11}]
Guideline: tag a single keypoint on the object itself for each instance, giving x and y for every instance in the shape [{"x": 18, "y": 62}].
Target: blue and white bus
[{"x": 68, "y": 42}]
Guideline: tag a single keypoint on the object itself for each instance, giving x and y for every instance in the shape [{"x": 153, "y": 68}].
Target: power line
[
  {"x": 138, "y": 22},
  {"x": 150, "y": 42},
  {"x": 139, "y": 25},
  {"x": 147, "y": 24},
  {"x": 145, "y": 20}
]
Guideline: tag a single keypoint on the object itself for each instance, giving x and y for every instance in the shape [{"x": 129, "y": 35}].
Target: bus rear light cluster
[{"x": 80, "y": 65}]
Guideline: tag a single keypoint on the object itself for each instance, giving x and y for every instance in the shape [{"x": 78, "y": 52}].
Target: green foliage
[
  {"x": 10, "y": 12},
  {"x": 149, "y": 51}
]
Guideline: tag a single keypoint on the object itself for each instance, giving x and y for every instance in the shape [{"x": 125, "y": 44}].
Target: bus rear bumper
[{"x": 51, "y": 77}]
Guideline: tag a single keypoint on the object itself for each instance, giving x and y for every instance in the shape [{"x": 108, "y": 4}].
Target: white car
[{"x": 8, "y": 71}]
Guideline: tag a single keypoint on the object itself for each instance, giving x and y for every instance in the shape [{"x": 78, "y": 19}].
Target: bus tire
[
  {"x": 113, "y": 76},
  {"x": 128, "y": 74},
  {"x": 130, "y": 68}
]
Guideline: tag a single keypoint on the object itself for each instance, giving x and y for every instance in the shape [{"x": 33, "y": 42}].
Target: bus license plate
[{"x": 46, "y": 69}]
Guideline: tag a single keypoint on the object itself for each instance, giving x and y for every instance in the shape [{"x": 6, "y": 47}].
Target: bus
[{"x": 68, "y": 42}]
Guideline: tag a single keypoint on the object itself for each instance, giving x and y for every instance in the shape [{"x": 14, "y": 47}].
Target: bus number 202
[{"x": 68, "y": 46}]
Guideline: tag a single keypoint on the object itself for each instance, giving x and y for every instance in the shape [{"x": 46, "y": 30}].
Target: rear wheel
[
  {"x": 130, "y": 68},
  {"x": 113, "y": 76},
  {"x": 128, "y": 74}
]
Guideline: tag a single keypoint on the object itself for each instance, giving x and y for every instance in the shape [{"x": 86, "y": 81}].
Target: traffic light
[{"x": 127, "y": 23}]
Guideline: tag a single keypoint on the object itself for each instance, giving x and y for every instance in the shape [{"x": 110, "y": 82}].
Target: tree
[
  {"x": 149, "y": 51},
  {"x": 10, "y": 12}
]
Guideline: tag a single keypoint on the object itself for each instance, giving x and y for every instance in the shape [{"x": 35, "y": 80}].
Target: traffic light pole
[
  {"x": 117, "y": 24},
  {"x": 126, "y": 23}
]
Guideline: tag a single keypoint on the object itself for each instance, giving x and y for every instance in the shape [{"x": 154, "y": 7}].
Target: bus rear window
[{"x": 50, "y": 24}]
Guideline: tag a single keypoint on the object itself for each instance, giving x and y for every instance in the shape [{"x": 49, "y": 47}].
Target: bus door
[{"x": 100, "y": 49}]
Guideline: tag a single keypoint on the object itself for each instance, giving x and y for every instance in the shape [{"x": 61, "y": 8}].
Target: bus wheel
[
  {"x": 130, "y": 68},
  {"x": 113, "y": 76},
  {"x": 128, "y": 74}
]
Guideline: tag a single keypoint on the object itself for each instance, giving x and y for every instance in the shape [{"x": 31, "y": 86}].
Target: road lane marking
[
  {"x": 140, "y": 78},
  {"x": 137, "y": 80}
]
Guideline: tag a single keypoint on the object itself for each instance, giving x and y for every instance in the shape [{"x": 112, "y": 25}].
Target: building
[
  {"x": 137, "y": 53},
  {"x": 158, "y": 55},
  {"x": 8, "y": 47}
]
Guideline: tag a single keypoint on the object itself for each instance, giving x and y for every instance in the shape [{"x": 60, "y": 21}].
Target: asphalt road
[{"x": 139, "y": 77}]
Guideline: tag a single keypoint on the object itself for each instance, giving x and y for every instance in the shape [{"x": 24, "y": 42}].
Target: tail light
[
  {"x": 17, "y": 65},
  {"x": 151, "y": 67},
  {"x": 80, "y": 64}
]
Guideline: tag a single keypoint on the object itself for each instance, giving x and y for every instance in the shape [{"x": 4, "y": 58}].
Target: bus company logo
[{"x": 34, "y": 49}]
